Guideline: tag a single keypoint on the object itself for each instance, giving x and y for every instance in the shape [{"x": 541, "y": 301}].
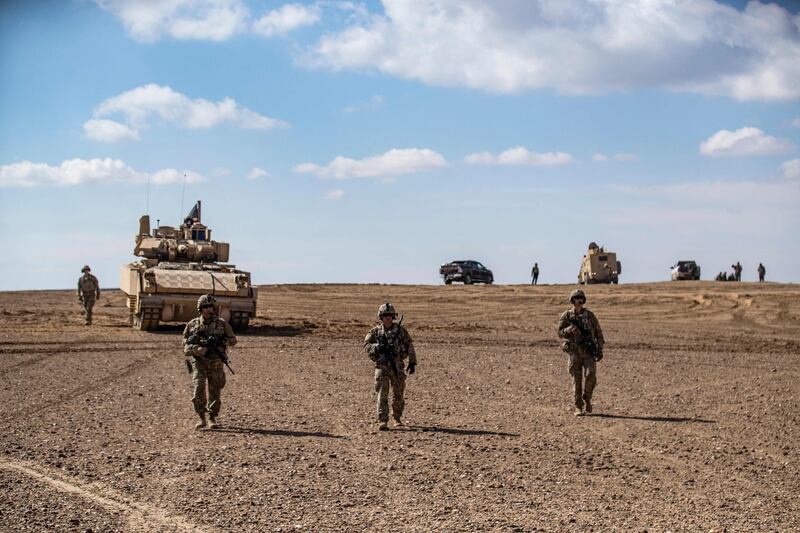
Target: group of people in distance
[{"x": 736, "y": 275}]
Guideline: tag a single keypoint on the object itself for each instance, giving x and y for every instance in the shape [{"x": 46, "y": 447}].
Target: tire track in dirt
[{"x": 140, "y": 516}]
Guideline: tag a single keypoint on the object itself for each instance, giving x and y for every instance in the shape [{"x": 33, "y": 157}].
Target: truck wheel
[
  {"x": 467, "y": 280},
  {"x": 489, "y": 281},
  {"x": 448, "y": 281}
]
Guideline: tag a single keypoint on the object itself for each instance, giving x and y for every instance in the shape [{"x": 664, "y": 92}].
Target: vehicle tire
[
  {"x": 448, "y": 281},
  {"x": 615, "y": 281},
  {"x": 467, "y": 280},
  {"x": 489, "y": 281}
]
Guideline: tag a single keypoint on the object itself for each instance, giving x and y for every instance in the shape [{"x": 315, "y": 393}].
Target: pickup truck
[{"x": 467, "y": 272}]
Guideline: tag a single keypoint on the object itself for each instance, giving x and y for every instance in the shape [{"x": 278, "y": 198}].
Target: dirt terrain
[{"x": 695, "y": 425}]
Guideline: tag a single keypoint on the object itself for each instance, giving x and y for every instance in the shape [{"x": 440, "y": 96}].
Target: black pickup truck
[{"x": 468, "y": 272}]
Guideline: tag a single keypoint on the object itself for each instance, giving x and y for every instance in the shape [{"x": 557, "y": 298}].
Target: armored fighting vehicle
[
  {"x": 177, "y": 266},
  {"x": 599, "y": 266}
]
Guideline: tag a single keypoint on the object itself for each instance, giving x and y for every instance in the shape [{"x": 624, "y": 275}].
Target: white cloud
[
  {"x": 285, "y": 19},
  {"x": 80, "y": 171},
  {"x": 742, "y": 142},
  {"x": 600, "y": 158},
  {"x": 256, "y": 173},
  {"x": 576, "y": 46},
  {"x": 109, "y": 131},
  {"x": 139, "y": 105},
  {"x": 148, "y": 20},
  {"x": 374, "y": 102},
  {"x": 395, "y": 161},
  {"x": 519, "y": 156},
  {"x": 791, "y": 169},
  {"x": 335, "y": 194}
]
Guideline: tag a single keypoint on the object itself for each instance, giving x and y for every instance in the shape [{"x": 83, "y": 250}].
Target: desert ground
[{"x": 695, "y": 425}]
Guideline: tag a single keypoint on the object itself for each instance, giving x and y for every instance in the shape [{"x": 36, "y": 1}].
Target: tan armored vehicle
[
  {"x": 177, "y": 266},
  {"x": 599, "y": 266}
]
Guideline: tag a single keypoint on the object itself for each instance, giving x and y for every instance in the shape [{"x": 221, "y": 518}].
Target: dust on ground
[{"x": 695, "y": 425}]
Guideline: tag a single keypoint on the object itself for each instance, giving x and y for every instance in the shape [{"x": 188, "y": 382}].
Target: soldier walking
[
  {"x": 88, "y": 292},
  {"x": 761, "y": 272},
  {"x": 535, "y": 274},
  {"x": 388, "y": 345},
  {"x": 584, "y": 344},
  {"x": 202, "y": 338}
]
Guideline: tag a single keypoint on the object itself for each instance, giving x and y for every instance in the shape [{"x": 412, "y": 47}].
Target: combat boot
[
  {"x": 397, "y": 421},
  {"x": 212, "y": 422},
  {"x": 383, "y": 426},
  {"x": 202, "y": 423},
  {"x": 579, "y": 411},
  {"x": 588, "y": 406}
]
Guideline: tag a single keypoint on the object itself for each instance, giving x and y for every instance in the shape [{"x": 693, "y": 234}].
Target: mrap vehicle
[
  {"x": 599, "y": 266},
  {"x": 177, "y": 266}
]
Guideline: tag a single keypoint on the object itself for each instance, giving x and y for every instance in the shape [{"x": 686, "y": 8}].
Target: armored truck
[
  {"x": 599, "y": 266},
  {"x": 178, "y": 265}
]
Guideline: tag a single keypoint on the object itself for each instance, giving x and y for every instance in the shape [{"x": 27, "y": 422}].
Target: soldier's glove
[{"x": 412, "y": 367}]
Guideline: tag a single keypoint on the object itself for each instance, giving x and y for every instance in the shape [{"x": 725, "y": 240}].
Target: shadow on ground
[
  {"x": 275, "y": 432},
  {"x": 654, "y": 418},
  {"x": 457, "y": 431}
]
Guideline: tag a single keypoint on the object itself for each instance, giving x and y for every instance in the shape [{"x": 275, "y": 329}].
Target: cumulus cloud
[
  {"x": 335, "y": 194},
  {"x": 109, "y": 131},
  {"x": 256, "y": 173},
  {"x": 576, "y": 46},
  {"x": 791, "y": 169},
  {"x": 81, "y": 171},
  {"x": 519, "y": 156},
  {"x": 743, "y": 142},
  {"x": 285, "y": 19},
  {"x": 395, "y": 161},
  {"x": 148, "y": 21},
  {"x": 138, "y": 106}
]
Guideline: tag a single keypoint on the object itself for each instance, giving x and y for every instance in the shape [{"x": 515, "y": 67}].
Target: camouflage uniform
[
  {"x": 580, "y": 361},
  {"x": 403, "y": 348},
  {"x": 88, "y": 292},
  {"x": 737, "y": 271},
  {"x": 207, "y": 367}
]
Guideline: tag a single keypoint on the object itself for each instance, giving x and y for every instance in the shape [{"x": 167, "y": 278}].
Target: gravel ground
[{"x": 695, "y": 425}]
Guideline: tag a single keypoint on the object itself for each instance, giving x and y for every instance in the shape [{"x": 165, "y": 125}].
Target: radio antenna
[{"x": 183, "y": 192}]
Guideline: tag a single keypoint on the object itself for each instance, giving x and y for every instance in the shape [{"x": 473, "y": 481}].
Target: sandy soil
[{"x": 695, "y": 426}]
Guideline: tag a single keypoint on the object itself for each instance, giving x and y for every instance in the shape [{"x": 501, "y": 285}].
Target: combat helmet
[
  {"x": 577, "y": 293},
  {"x": 386, "y": 309},
  {"x": 86, "y": 268},
  {"x": 206, "y": 299}
]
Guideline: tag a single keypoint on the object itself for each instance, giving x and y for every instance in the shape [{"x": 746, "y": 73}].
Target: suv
[
  {"x": 685, "y": 270},
  {"x": 468, "y": 272}
]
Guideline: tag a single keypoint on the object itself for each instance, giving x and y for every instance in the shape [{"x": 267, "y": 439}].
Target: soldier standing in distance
[
  {"x": 761, "y": 272},
  {"x": 388, "y": 345},
  {"x": 737, "y": 270},
  {"x": 88, "y": 292},
  {"x": 581, "y": 362},
  {"x": 535, "y": 274},
  {"x": 206, "y": 366}
]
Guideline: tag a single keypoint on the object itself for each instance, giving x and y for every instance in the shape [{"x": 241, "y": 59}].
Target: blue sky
[{"x": 338, "y": 141}]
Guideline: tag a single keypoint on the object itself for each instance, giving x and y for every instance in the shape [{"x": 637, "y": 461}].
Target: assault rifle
[
  {"x": 215, "y": 344},
  {"x": 386, "y": 359},
  {"x": 585, "y": 338}
]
